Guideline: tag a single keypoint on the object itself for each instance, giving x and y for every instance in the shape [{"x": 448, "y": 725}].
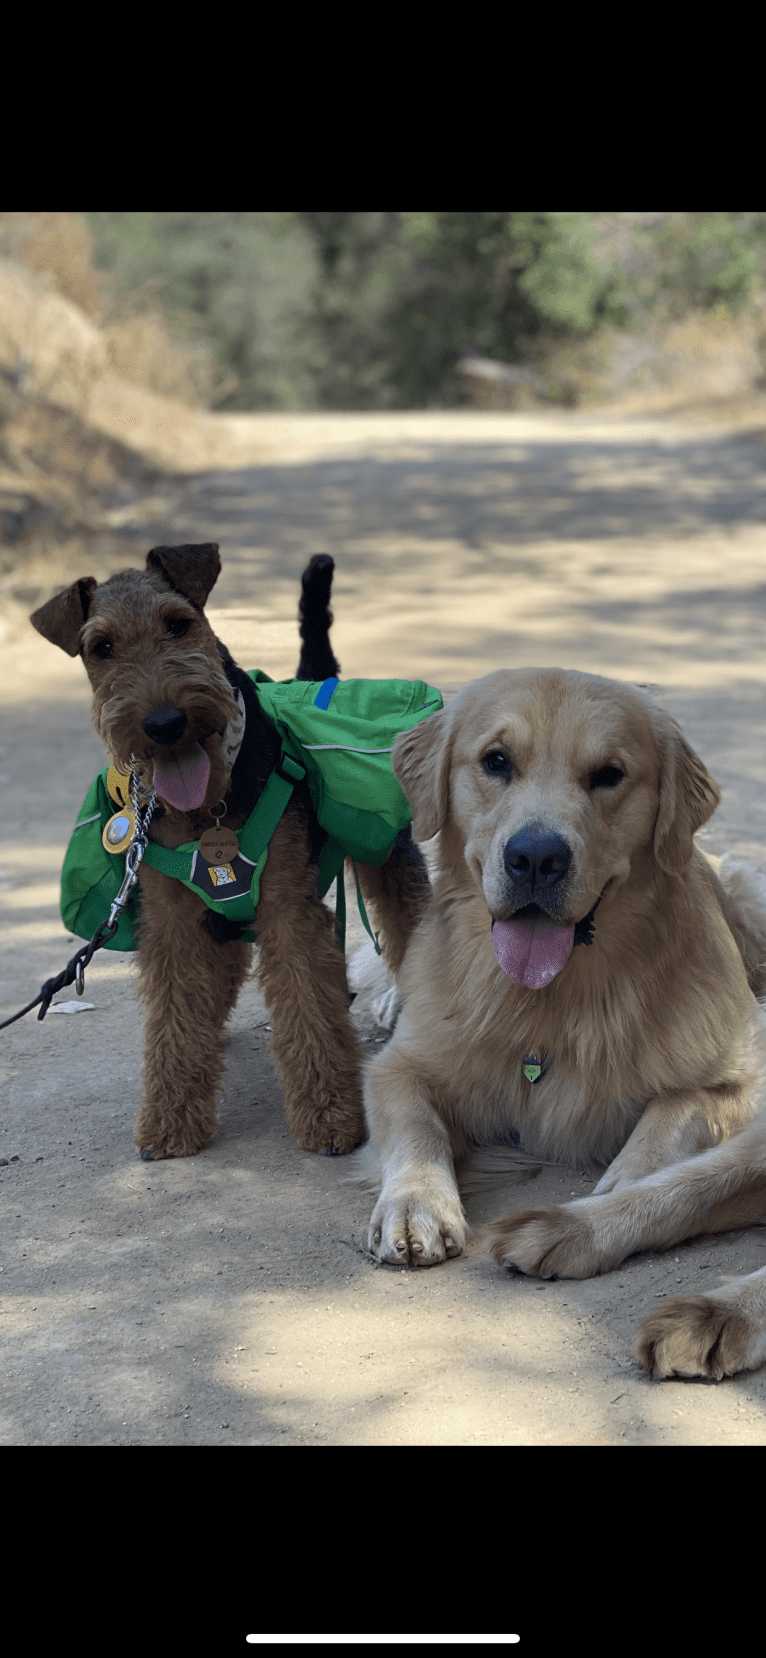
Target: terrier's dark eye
[
  {"x": 104, "y": 649},
  {"x": 177, "y": 626},
  {"x": 606, "y": 778},
  {"x": 497, "y": 764}
]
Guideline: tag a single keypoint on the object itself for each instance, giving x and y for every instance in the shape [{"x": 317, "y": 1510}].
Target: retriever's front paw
[
  {"x": 546, "y": 1243},
  {"x": 695, "y": 1335},
  {"x": 417, "y": 1226}
]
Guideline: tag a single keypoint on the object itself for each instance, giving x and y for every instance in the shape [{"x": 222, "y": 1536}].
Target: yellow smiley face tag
[{"x": 118, "y": 787}]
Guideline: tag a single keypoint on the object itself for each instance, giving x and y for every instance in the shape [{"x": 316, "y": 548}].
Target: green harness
[{"x": 336, "y": 735}]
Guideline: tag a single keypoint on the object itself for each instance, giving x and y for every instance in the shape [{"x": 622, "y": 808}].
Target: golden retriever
[{"x": 582, "y": 983}]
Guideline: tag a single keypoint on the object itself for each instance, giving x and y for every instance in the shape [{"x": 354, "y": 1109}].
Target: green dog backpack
[{"x": 338, "y": 735}]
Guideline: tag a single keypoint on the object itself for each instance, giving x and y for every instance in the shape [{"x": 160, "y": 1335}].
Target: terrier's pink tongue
[
  {"x": 181, "y": 779},
  {"x": 532, "y": 951}
]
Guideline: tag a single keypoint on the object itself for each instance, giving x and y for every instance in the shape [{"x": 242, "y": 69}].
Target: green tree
[
  {"x": 368, "y": 310},
  {"x": 696, "y": 261},
  {"x": 399, "y": 298},
  {"x": 235, "y": 279}
]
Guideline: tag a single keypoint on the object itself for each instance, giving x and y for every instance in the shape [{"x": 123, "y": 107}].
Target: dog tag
[
  {"x": 118, "y": 832},
  {"x": 531, "y": 1067},
  {"x": 219, "y": 846}
]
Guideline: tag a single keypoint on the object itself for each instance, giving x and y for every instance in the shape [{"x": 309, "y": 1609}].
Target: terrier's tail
[{"x": 315, "y": 618}]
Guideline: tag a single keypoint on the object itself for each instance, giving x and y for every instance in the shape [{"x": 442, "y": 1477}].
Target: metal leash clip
[
  {"x": 135, "y": 853},
  {"x": 133, "y": 860}
]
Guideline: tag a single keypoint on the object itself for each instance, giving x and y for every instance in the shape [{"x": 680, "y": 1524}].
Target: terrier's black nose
[
  {"x": 165, "y": 725},
  {"x": 535, "y": 859}
]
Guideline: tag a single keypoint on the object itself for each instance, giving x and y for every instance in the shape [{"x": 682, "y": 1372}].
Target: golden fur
[{"x": 650, "y": 1036}]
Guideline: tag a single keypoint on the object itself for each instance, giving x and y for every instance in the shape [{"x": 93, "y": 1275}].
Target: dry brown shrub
[
  {"x": 142, "y": 349},
  {"x": 58, "y": 245}
]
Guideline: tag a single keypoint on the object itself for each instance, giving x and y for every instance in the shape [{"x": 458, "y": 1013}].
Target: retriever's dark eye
[
  {"x": 606, "y": 778},
  {"x": 497, "y": 764},
  {"x": 104, "y": 649},
  {"x": 177, "y": 626}
]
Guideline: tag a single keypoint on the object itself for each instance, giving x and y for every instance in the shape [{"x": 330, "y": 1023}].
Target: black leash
[{"x": 74, "y": 973}]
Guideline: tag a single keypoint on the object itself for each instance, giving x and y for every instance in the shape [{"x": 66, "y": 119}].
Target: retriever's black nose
[
  {"x": 165, "y": 725},
  {"x": 533, "y": 858}
]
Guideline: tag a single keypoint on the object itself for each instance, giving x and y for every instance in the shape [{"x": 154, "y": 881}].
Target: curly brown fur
[
  {"x": 185, "y": 1016},
  {"x": 316, "y": 1054},
  {"x": 164, "y": 692},
  {"x": 397, "y": 892}
]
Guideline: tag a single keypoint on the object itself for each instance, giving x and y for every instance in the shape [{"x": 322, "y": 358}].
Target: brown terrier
[{"x": 169, "y": 702}]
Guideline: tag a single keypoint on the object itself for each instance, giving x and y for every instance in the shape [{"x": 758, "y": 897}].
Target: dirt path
[{"x": 634, "y": 548}]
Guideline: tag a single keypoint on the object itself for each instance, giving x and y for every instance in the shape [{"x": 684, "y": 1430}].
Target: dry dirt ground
[{"x": 633, "y": 547}]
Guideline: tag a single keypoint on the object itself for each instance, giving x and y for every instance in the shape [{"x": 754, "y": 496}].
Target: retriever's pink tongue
[
  {"x": 181, "y": 779},
  {"x": 532, "y": 951}
]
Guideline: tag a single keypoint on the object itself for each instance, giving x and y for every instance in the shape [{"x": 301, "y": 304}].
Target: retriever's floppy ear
[
  {"x": 688, "y": 797},
  {"x": 420, "y": 759},
  {"x": 61, "y": 620}
]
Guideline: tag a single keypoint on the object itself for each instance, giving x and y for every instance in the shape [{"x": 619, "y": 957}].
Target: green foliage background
[{"x": 374, "y": 310}]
